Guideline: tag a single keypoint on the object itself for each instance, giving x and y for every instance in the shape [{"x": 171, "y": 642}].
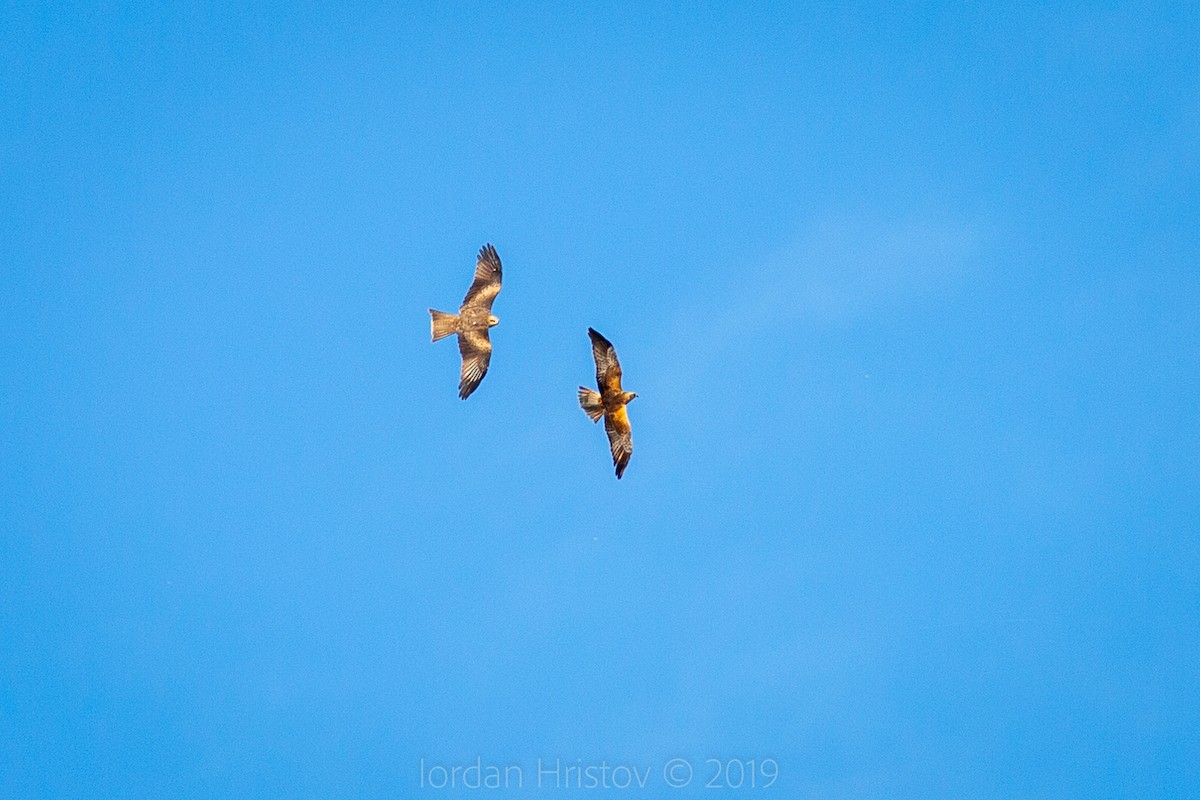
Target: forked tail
[
  {"x": 442, "y": 324},
  {"x": 590, "y": 401}
]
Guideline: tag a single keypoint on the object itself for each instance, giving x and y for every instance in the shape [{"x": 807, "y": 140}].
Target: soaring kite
[
  {"x": 472, "y": 321},
  {"x": 610, "y": 401}
]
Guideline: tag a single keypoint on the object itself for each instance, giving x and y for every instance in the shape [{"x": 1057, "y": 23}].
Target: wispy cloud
[
  {"x": 844, "y": 267},
  {"x": 836, "y": 270}
]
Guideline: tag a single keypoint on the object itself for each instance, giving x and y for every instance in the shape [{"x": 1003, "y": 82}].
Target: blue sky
[{"x": 908, "y": 293}]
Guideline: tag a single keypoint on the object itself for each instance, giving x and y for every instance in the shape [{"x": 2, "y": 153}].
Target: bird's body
[
  {"x": 609, "y": 402},
  {"x": 472, "y": 321}
]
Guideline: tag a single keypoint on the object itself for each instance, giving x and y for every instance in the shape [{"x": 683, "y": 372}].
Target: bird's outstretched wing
[
  {"x": 620, "y": 438},
  {"x": 476, "y": 349},
  {"x": 608, "y": 369},
  {"x": 486, "y": 285}
]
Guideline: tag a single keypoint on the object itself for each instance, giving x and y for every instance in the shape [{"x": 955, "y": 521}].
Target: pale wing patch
[
  {"x": 620, "y": 438},
  {"x": 608, "y": 369},
  {"x": 488, "y": 276},
  {"x": 476, "y": 351}
]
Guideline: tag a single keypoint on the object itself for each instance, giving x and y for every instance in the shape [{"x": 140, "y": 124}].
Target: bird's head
[
  {"x": 629, "y": 396},
  {"x": 493, "y": 321}
]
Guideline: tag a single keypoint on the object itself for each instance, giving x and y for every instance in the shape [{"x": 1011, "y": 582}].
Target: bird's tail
[
  {"x": 442, "y": 324},
  {"x": 590, "y": 401}
]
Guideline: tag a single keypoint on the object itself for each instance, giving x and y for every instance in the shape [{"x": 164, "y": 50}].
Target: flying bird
[
  {"x": 610, "y": 401},
  {"x": 472, "y": 321}
]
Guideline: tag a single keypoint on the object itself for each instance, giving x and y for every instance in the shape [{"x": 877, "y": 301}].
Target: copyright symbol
[{"x": 677, "y": 773}]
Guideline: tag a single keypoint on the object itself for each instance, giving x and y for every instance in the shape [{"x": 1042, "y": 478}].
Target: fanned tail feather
[
  {"x": 442, "y": 324},
  {"x": 590, "y": 401}
]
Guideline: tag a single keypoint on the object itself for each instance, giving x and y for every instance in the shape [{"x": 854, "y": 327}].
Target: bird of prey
[
  {"x": 610, "y": 401},
  {"x": 472, "y": 321}
]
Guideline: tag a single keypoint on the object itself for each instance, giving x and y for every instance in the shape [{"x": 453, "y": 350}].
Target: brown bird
[
  {"x": 610, "y": 401},
  {"x": 472, "y": 321}
]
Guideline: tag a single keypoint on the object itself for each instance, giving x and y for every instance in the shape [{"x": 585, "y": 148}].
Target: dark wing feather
[
  {"x": 486, "y": 285},
  {"x": 476, "y": 349},
  {"x": 620, "y": 438},
  {"x": 608, "y": 369}
]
